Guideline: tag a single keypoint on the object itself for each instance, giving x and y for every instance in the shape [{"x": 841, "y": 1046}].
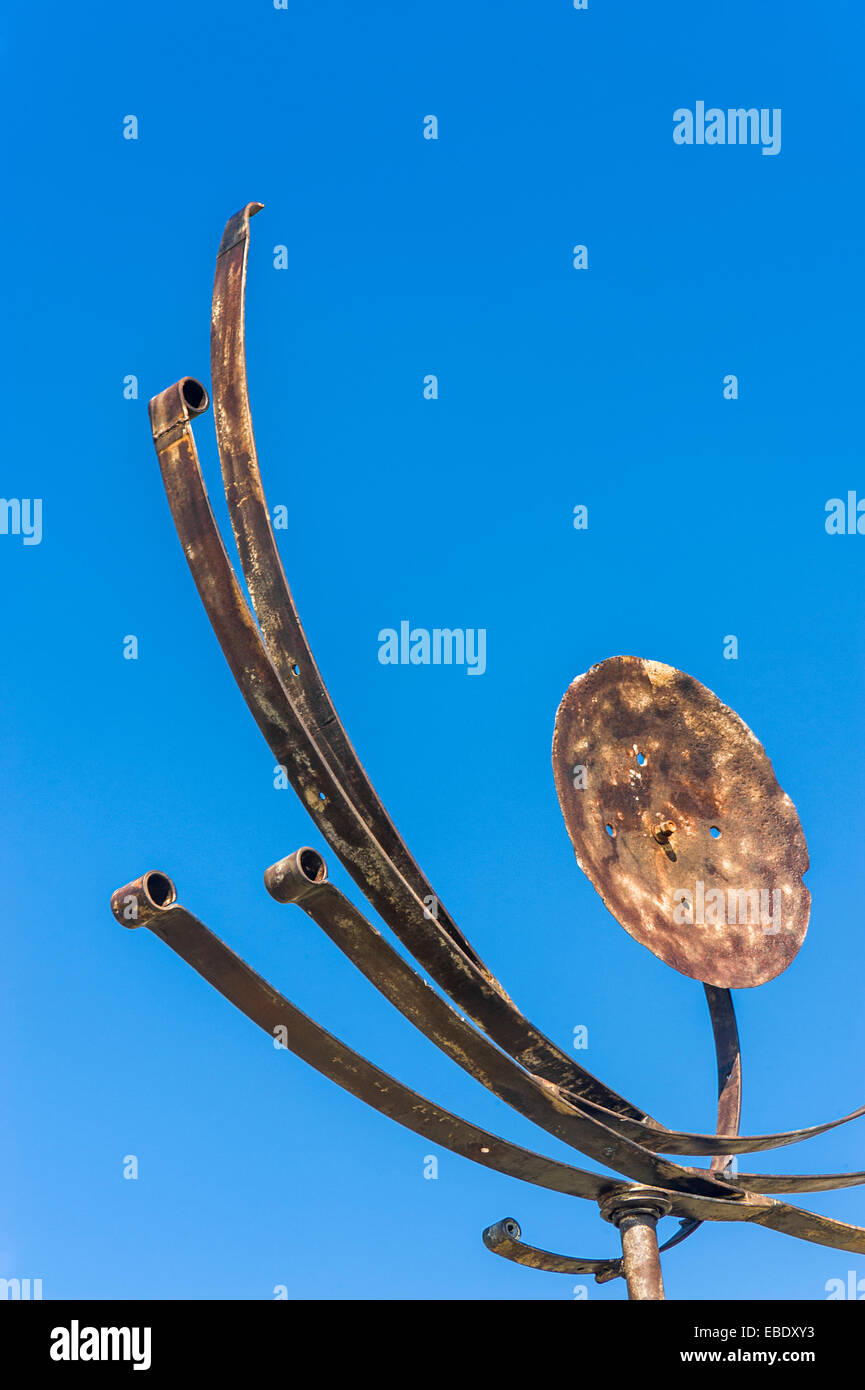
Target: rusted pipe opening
[
  {"x": 159, "y": 889},
  {"x": 289, "y": 880},
  {"x": 195, "y": 397},
  {"x": 312, "y": 866},
  {"x": 144, "y": 899}
]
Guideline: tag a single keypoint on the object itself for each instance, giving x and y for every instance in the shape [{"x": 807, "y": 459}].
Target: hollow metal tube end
[
  {"x": 292, "y": 878},
  {"x": 495, "y": 1236},
  {"x": 142, "y": 900},
  {"x": 174, "y": 407}
]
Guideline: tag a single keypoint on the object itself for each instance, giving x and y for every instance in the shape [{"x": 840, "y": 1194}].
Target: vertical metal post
[{"x": 636, "y": 1214}]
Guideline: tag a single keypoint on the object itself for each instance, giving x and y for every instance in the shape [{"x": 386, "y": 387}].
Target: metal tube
[
  {"x": 320, "y": 789},
  {"x": 636, "y": 1215},
  {"x": 640, "y": 1256},
  {"x": 302, "y": 878},
  {"x": 237, "y": 982},
  {"x": 473, "y": 989},
  {"x": 504, "y": 1239}
]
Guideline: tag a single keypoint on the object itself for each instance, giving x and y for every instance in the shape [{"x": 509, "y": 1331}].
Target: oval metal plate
[{"x": 677, "y": 819}]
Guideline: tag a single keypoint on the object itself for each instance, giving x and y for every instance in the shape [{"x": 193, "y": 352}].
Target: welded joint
[{"x": 172, "y": 411}]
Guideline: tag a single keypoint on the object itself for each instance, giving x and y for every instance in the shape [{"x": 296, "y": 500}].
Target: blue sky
[{"x": 556, "y": 387}]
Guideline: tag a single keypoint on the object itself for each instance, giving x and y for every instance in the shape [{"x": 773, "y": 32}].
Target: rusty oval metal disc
[{"x": 677, "y": 818}]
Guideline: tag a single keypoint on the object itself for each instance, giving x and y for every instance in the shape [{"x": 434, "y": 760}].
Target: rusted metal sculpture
[{"x": 652, "y": 772}]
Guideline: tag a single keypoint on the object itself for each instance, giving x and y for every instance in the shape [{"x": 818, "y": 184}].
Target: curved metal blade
[
  {"x": 504, "y": 1239},
  {"x": 266, "y": 1007},
  {"x": 320, "y": 791},
  {"x": 546, "y": 1105}
]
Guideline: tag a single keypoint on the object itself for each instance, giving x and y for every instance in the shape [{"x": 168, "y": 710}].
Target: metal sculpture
[{"x": 675, "y": 778}]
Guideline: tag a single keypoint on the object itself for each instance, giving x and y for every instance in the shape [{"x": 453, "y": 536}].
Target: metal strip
[
  {"x": 728, "y": 1057},
  {"x": 319, "y": 788},
  {"x": 293, "y": 747},
  {"x": 504, "y": 1239},
  {"x": 138, "y": 905},
  {"x": 291, "y": 655},
  {"x": 284, "y": 637},
  {"x": 302, "y": 878}
]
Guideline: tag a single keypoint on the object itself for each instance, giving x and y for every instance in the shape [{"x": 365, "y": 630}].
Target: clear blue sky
[{"x": 557, "y": 387}]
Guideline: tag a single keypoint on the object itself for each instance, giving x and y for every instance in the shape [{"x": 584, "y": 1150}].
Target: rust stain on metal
[
  {"x": 676, "y": 817},
  {"x": 680, "y": 823}
]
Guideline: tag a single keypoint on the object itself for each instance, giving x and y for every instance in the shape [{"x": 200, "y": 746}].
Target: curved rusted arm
[
  {"x": 302, "y": 878},
  {"x": 675, "y": 1141},
  {"x": 319, "y": 788},
  {"x": 151, "y": 901},
  {"x": 728, "y": 1056},
  {"x": 284, "y": 637},
  {"x": 471, "y": 987},
  {"x": 504, "y": 1239}
]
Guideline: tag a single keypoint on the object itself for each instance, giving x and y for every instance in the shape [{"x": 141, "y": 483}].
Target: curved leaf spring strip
[
  {"x": 293, "y": 660},
  {"x": 321, "y": 792},
  {"x": 263, "y": 1005},
  {"x": 301, "y": 878}
]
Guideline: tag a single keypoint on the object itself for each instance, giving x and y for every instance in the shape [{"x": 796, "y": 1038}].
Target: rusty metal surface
[
  {"x": 263, "y": 1005},
  {"x": 271, "y": 1011},
  {"x": 640, "y": 1258},
  {"x": 636, "y": 1215},
  {"x": 728, "y": 1059},
  {"x": 728, "y": 1062},
  {"x": 794, "y": 1182},
  {"x": 503, "y": 1239},
  {"x": 301, "y": 878},
  {"x": 272, "y": 600},
  {"x": 473, "y": 988},
  {"x": 677, "y": 819},
  {"x": 659, "y": 751},
  {"x": 681, "y": 1142}
]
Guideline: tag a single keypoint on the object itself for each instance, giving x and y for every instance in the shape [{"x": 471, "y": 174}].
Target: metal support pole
[{"x": 636, "y": 1215}]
